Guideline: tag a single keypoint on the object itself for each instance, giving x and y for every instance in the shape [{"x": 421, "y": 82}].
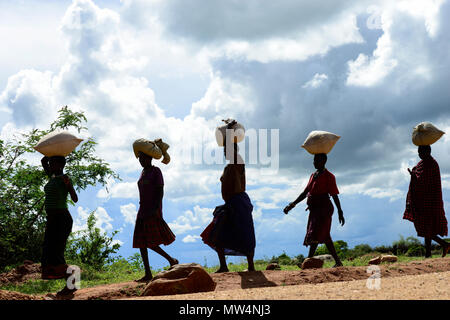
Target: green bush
[
  {"x": 298, "y": 259},
  {"x": 340, "y": 246},
  {"x": 91, "y": 247},
  {"x": 402, "y": 245},
  {"x": 284, "y": 259},
  {"x": 359, "y": 250},
  {"x": 383, "y": 249},
  {"x": 136, "y": 262},
  {"x": 416, "y": 251}
]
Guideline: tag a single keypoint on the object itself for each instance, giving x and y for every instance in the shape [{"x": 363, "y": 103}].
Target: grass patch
[
  {"x": 36, "y": 286},
  {"x": 116, "y": 272}
]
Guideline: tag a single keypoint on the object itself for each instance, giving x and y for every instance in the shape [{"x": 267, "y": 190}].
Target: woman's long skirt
[
  {"x": 232, "y": 227},
  {"x": 319, "y": 220},
  {"x": 57, "y": 231},
  {"x": 151, "y": 232}
]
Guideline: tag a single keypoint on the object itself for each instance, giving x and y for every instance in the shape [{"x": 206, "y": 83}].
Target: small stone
[{"x": 273, "y": 266}]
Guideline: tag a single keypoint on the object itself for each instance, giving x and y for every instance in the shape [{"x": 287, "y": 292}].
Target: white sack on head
[
  {"x": 320, "y": 142},
  {"x": 237, "y": 131},
  {"x": 425, "y": 133},
  {"x": 57, "y": 143},
  {"x": 148, "y": 147}
]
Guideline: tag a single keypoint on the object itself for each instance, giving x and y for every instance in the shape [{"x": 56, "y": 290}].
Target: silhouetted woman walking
[
  {"x": 321, "y": 185},
  {"x": 151, "y": 230},
  {"x": 59, "y": 221},
  {"x": 232, "y": 232},
  {"x": 424, "y": 205}
]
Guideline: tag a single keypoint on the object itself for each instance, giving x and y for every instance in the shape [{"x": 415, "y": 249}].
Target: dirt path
[
  {"x": 275, "y": 284},
  {"x": 429, "y": 286}
]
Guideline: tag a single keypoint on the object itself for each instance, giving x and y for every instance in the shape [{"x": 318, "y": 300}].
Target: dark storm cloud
[
  {"x": 375, "y": 121},
  {"x": 216, "y": 20}
]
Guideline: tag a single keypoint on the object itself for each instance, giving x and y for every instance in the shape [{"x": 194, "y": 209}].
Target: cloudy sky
[{"x": 368, "y": 71}]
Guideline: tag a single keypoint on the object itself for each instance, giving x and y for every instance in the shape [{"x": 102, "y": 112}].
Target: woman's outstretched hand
[{"x": 289, "y": 207}]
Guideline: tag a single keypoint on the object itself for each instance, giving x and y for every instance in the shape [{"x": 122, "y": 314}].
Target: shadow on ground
[{"x": 255, "y": 279}]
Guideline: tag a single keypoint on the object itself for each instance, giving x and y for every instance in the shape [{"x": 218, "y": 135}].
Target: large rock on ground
[
  {"x": 312, "y": 263},
  {"x": 180, "y": 279},
  {"x": 386, "y": 258},
  {"x": 389, "y": 258},
  {"x": 324, "y": 257}
]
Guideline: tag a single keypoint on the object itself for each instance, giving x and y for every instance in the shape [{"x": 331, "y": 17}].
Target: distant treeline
[{"x": 410, "y": 246}]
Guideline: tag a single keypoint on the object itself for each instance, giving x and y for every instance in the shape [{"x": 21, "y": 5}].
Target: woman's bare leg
[
  {"x": 444, "y": 244},
  {"x": 223, "y": 262},
  {"x": 251, "y": 265},
  {"x": 172, "y": 261},
  {"x": 427, "y": 247},
  {"x": 332, "y": 250},
  {"x": 148, "y": 273},
  {"x": 312, "y": 249}
]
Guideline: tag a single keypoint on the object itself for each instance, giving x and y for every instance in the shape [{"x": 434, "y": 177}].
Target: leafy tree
[
  {"x": 402, "y": 245},
  {"x": 359, "y": 250},
  {"x": 298, "y": 259},
  {"x": 90, "y": 246},
  {"x": 136, "y": 262},
  {"x": 22, "y": 214},
  {"x": 383, "y": 249},
  {"x": 340, "y": 246},
  {"x": 416, "y": 251},
  {"x": 284, "y": 259}
]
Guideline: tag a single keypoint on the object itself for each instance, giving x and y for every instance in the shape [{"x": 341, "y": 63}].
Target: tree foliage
[
  {"x": 340, "y": 246},
  {"x": 90, "y": 246},
  {"x": 22, "y": 214},
  {"x": 402, "y": 245}
]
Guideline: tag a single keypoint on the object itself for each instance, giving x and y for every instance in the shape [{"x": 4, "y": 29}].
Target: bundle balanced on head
[
  {"x": 321, "y": 185},
  {"x": 151, "y": 230},
  {"x": 55, "y": 146},
  {"x": 232, "y": 232},
  {"x": 424, "y": 205}
]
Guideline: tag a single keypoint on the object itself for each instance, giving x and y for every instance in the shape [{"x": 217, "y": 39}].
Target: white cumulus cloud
[
  {"x": 129, "y": 212},
  {"x": 191, "y": 239}
]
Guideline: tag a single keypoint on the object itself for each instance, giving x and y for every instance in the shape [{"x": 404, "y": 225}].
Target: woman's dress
[
  {"x": 424, "y": 205},
  {"x": 232, "y": 227},
  {"x": 319, "y": 190},
  {"x": 151, "y": 229}
]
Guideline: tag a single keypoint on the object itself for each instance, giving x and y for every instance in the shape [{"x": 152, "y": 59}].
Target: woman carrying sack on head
[
  {"x": 232, "y": 232},
  {"x": 55, "y": 146},
  {"x": 321, "y": 185},
  {"x": 424, "y": 205},
  {"x": 59, "y": 221},
  {"x": 151, "y": 230}
]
